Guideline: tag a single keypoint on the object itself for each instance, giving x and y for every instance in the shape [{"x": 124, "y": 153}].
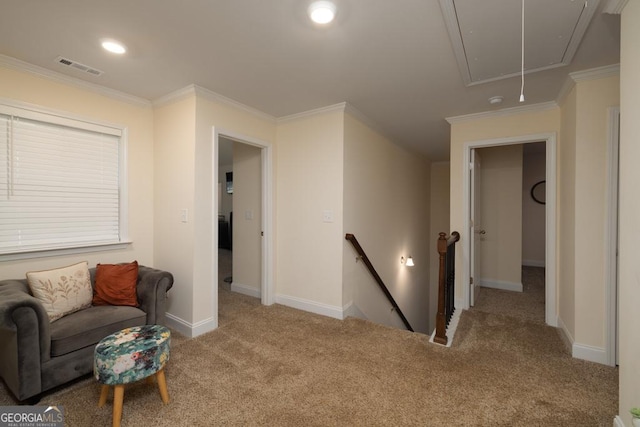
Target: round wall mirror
[{"x": 538, "y": 192}]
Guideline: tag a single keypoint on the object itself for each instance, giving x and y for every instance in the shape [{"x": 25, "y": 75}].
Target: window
[{"x": 61, "y": 183}]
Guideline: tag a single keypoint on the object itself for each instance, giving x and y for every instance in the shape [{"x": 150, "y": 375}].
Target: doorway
[
  {"x": 550, "y": 217},
  {"x": 246, "y": 213},
  {"x": 508, "y": 254}
]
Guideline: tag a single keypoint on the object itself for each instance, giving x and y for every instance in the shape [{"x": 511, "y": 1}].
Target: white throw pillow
[{"x": 62, "y": 290}]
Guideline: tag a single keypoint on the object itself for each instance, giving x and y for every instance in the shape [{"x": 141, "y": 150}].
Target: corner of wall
[{"x": 189, "y": 329}]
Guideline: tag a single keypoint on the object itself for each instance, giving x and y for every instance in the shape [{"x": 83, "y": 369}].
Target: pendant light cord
[{"x": 522, "y": 63}]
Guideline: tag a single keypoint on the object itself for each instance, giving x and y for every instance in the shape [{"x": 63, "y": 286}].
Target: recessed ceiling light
[
  {"x": 322, "y": 12},
  {"x": 114, "y": 46}
]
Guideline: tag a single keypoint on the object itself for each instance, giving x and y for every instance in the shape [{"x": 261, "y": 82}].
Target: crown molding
[
  {"x": 195, "y": 90},
  {"x": 341, "y": 107},
  {"x": 533, "y": 108},
  {"x": 580, "y": 76},
  {"x": 596, "y": 73},
  {"x": 371, "y": 124},
  {"x": 216, "y": 97},
  {"x": 175, "y": 96},
  {"x": 614, "y": 6},
  {"x": 16, "y": 64}
]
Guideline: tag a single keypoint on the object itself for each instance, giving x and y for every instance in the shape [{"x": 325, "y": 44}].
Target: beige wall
[
  {"x": 83, "y": 103},
  {"x": 566, "y": 222},
  {"x": 212, "y": 113},
  {"x": 174, "y": 182},
  {"x": 309, "y": 180},
  {"x": 533, "y": 213},
  {"x": 582, "y": 123},
  {"x": 184, "y": 180},
  {"x": 439, "y": 219},
  {"x": 480, "y": 129},
  {"x": 501, "y": 206},
  {"x": 386, "y": 206},
  {"x": 629, "y": 273},
  {"x": 594, "y": 98},
  {"x": 247, "y": 201}
]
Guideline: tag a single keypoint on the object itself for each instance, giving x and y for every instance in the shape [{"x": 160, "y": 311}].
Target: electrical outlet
[{"x": 327, "y": 216}]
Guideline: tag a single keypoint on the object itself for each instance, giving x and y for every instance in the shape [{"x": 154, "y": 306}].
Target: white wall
[
  {"x": 439, "y": 218},
  {"x": 533, "y": 213},
  {"x": 247, "y": 200},
  {"x": 629, "y": 273},
  {"x": 387, "y": 208},
  {"x": 309, "y": 179},
  {"x": 92, "y": 105},
  {"x": 501, "y": 206}
]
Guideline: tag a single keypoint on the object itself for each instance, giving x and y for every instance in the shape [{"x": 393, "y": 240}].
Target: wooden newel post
[{"x": 441, "y": 322}]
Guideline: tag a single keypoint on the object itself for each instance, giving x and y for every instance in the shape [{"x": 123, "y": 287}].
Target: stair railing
[
  {"x": 446, "y": 287},
  {"x": 363, "y": 256}
]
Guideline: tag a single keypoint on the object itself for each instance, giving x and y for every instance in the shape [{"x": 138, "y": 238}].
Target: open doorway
[
  {"x": 474, "y": 230},
  {"x": 242, "y": 235},
  {"x": 508, "y": 256}
]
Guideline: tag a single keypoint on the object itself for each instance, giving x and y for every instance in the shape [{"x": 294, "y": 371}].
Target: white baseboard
[
  {"x": 245, "y": 290},
  {"x": 311, "y": 306},
  {"x": 501, "y": 284},
  {"x": 188, "y": 329},
  {"x": 352, "y": 310},
  {"x": 533, "y": 263},
  {"x": 582, "y": 351},
  {"x": 566, "y": 337},
  {"x": 617, "y": 422},
  {"x": 590, "y": 353}
]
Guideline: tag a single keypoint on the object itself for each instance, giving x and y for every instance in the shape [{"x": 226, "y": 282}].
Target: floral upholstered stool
[{"x": 129, "y": 356}]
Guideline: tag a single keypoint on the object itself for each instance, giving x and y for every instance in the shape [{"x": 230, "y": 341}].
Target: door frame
[
  {"x": 551, "y": 310},
  {"x": 611, "y": 236},
  {"x": 267, "y": 294}
]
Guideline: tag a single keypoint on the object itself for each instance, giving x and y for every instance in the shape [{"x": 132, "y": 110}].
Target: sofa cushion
[
  {"x": 62, "y": 290},
  {"x": 87, "y": 327},
  {"x": 116, "y": 284}
]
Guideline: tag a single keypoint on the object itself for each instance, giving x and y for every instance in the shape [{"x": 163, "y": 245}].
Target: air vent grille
[{"x": 78, "y": 66}]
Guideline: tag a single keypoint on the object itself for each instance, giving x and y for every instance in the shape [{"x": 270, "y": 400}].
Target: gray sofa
[{"x": 36, "y": 355}]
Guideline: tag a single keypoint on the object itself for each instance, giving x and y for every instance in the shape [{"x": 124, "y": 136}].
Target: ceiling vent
[{"x": 78, "y": 66}]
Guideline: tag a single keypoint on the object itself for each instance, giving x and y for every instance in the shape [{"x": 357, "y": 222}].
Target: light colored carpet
[
  {"x": 283, "y": 367},
  {"x": 526, "y": 305}
]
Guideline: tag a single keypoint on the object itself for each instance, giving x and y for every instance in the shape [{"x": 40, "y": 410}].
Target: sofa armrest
[
  {"x": 152, "y": 290},
  {"x": 26, "y": 338}
]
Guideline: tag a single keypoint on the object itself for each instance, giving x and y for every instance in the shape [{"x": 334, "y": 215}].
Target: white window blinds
[{"x": 59, "y": 183}]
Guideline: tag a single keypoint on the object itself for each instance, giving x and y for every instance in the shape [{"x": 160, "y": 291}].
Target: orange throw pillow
[{"x": 116, "y": 284}]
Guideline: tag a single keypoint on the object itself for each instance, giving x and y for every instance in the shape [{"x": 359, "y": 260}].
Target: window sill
[{"x": 42, "y": 253}]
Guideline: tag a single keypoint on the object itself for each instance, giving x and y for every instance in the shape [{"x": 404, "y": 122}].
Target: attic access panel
[{"x": 486, "y": 35}]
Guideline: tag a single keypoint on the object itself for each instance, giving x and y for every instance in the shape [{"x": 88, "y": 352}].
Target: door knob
[{"x": 482, "y": 232}]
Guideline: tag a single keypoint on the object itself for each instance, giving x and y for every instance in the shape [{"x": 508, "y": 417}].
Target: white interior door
[{"x": 476, "y": 232}]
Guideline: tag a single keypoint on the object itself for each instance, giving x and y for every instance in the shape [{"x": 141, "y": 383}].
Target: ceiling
[{"x": 395, "y": 62}]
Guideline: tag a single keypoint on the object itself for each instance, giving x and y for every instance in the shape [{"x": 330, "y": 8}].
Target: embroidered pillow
[
  {"x": 116, "y": 284},
  {"x": 63, "y": 290}
]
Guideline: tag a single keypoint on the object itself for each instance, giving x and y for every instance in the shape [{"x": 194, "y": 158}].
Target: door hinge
[
  {"x": 471, "y": 280},
  {"x": 262, "y": 233}
]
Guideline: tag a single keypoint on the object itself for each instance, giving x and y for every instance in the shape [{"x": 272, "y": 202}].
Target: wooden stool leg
[
  {"x": 162, "y": 385},
  {"x": 118, "y": 397},
  {"x": 103, "y": 396}
]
